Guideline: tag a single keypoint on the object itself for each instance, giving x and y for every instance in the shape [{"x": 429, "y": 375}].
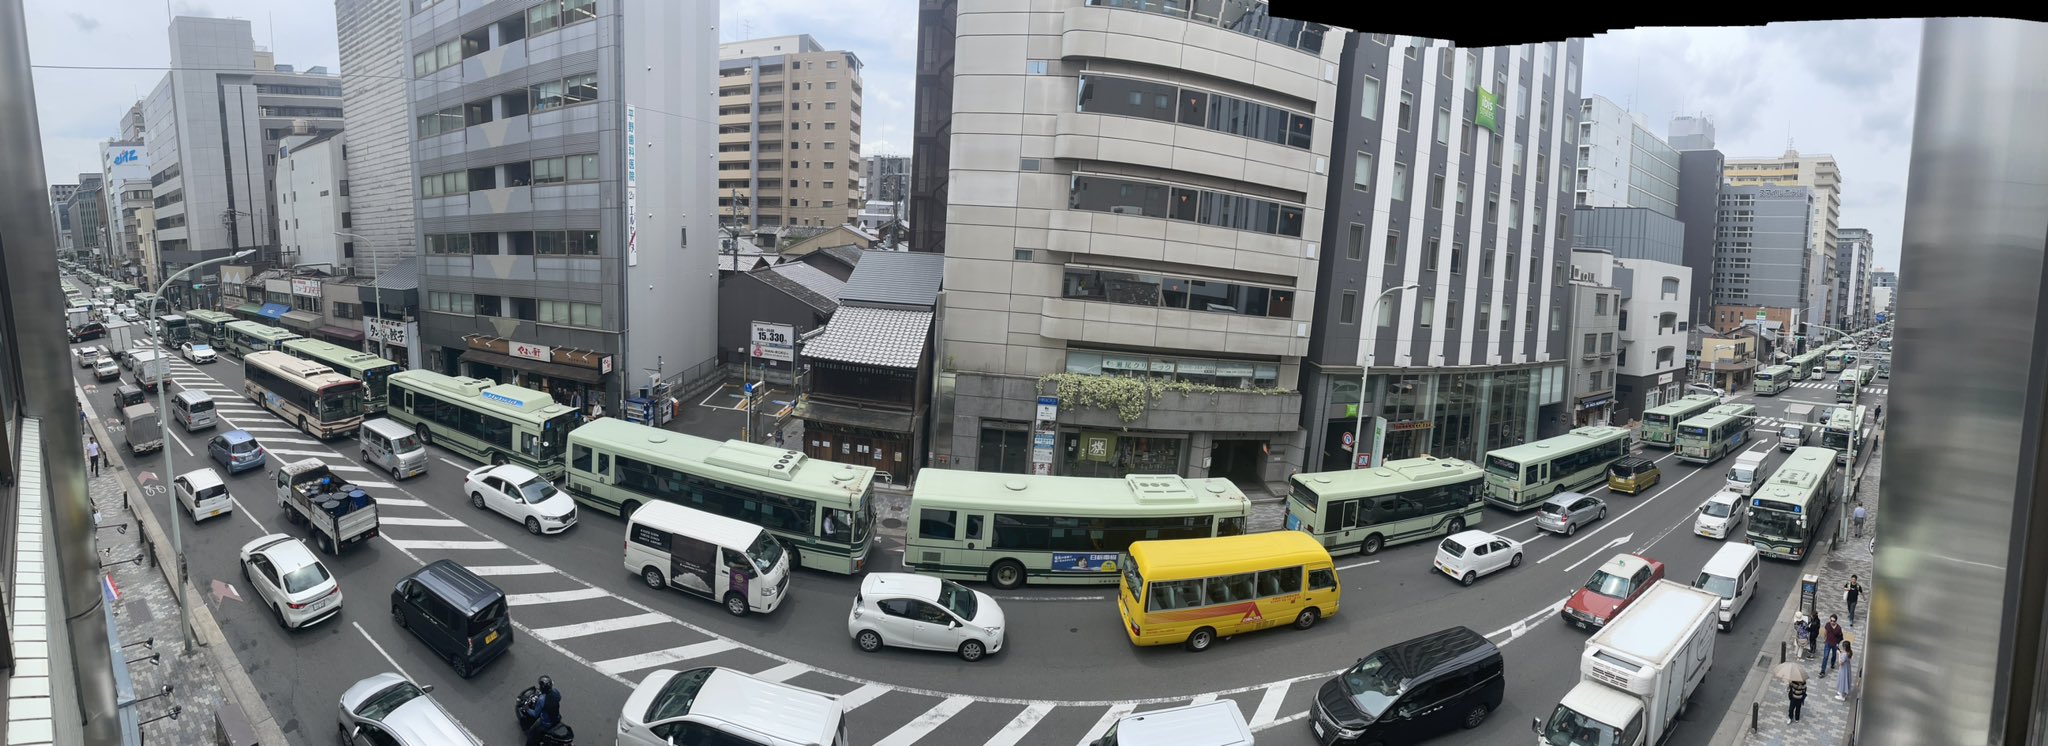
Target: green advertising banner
[{"x": 1488, "y": 114}]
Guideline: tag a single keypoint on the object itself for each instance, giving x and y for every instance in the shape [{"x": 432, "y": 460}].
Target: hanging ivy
[{"x": 1128, "y": 397}]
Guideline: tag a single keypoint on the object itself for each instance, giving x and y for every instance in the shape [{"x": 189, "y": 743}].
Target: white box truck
[
  {"x": 1637, "y": 672},
  {"x": 152, "y": 367},
  {"x": 120, "y": 338},
  {"x": 338, "y": 513},
  {"x": 1746, "y": 474},
  {"x": 1797, "y": 429}
]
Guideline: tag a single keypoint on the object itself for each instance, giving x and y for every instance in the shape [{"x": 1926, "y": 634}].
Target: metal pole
[
  {"x": 30, "y": 319},
  {"x": 1372, "y": 321}
]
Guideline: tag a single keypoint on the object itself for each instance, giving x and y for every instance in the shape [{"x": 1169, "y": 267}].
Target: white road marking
[
  {"x": 1661, "y": 491},
  {"x": 347, "y": 467},
  {"x": 1603, "y": 550},
  {"x": 395, "y": 521},
  {"x": 373, "y": 485},
  {"x": 865, "y": 694},
  {"x": 1203, "y": 699},
  {"x": 1027, "y": 597},
  {"x": 551, "y": 597},
  {"x": 269, "y": 439},
  {"x": 581, "y": 629},
  {"x": 1281, "y": 721},
  {"x": 451, "y": 462},
  {"x": 1269, "y": 705},
  {"x": 314, "y": 454},
  {"x": 1114, "y": 713},
  {"x": 783, "y": 672},
  {"x": 1358, "y": 564},
  {"x": 1021, "y": 725},
  {"x": 642, "y": 661},
  {"x": 434, "y": 544},
  {"x": 402, "y": 502},
  {"x": 489, "y": 570},
  {"x": 380, "y": 651},
  {"x": 924, "y": 724},
  {"x": 243, "y": 511},
  {"x": 262, "y": 429}
]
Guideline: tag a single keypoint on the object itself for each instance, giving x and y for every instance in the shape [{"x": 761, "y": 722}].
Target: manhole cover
[{"x": 892, "y": 523}]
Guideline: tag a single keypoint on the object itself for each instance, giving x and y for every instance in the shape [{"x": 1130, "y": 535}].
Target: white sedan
[
  {"x": 521, "y": 495},
  {"x": 920, "y": 611},
  {"x": 198, "y": 352},
  {"x": 1467, "y": 555},
  {"x": 290, "y": 580}
]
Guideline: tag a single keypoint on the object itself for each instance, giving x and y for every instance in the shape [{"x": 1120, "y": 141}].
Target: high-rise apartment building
[
  {"x": 788, "y": 134},
  {"x": 932, "y": 136},
  {"x": 885, "y": 178},
  {"x": 1823, "y": 176},
  {"x": 566, "y": 153},
  {"x": 1432, "y": 186},
  {"x": 1621, "y": 162},
  {"x": 1855, "y": 249},
  {"x": 1135, "y": 197},
  {"x": 374, "y": 72},
  {"x": 1762, "y": 259},
  {"x": 124, "y": 169},
  {"x": 1647, "y": 252}
]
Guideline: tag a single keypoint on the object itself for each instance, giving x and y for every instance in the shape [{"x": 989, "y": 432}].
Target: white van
[
  {"x": 1215, "y": 723},
  {"x": 203, "y": 494},
  {"x": 1731, "y": 573},
  {"x": 722, "y": 706},
  {"x": 194, "y": 410},
  {"x": 393, "y": 446},
  {"x": 1746, "y": 474},
  {"x": 732, "y": 562}
]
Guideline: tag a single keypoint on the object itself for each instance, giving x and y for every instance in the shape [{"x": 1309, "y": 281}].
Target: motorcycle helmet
[{"x": 546, "y": 684}]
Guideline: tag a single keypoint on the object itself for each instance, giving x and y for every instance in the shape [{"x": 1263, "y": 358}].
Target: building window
[
  {"x": 1457, "y": 258},
  {"x": 1407, "y": 110},
  {"x": 1141, "y": 289},
  {"x": 1361, "y": 172},
  {"x": 1443, "y": 126},
  {"x": 1369, "y": 99},
  {"x": 565, "y": 313},
  {"x": 1034, "y": 67},
  {"x": 1464, "y": 196},
  {"x": 1101, "y": 94},
  {"x": 1599, "y": 305},
  {"x": 1514, "y": 214},
  {"x": 1151, "y": 199},
  {"x": 1393, "y": 247},
  {"x": 1494, "y": 155},
  {"x": 1348, "y": 310},
  {"x": 1384, "y": 312},
  {"x": 1356, "y": 250},
  {"x": 1436, "y": 192},
  {"x": 1429, "y": 256},
  {"x": 441, "y": 57},
  {"x": 1400, "y": 181},
  {"x": 462, "y": 303},
  {"x": 1607, "y": 342},
  {"x": 1426, "y": 313}
]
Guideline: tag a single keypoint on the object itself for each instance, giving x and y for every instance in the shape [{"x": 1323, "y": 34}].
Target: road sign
[{"x": 1347, "y": 440}]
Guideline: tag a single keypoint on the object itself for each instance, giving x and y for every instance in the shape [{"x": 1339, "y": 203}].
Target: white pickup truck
[
  {"x": 338, "y": 513},
  {"x": 1637, "y": 672}
]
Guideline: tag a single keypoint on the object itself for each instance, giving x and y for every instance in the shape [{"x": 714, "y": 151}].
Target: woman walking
[
  {"x": 1842, "y": 671},
  {"x": 1797, "y": 690}
]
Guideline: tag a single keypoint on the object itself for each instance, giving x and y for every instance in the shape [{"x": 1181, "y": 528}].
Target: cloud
[{"x": 85, "y": 23}]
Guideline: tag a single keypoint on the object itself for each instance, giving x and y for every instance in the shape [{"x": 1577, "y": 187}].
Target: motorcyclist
[{"x": 546, "y": 710}]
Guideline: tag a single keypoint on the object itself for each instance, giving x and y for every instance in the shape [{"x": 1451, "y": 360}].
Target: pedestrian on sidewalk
[
  {"x": 1852, "y": 592},
  {"x": 1859, "y": 515},
  {"x": 92, "y": 454},
  {"x": 1802, "y": 636},
  {"x": 1842, "y": 671},
  {"x": 1797, "y": 692},
  {"x": 1831, "y": 638}
]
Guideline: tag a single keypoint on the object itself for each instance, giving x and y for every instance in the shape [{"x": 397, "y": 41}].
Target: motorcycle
[{"x": 561, "y": 735}]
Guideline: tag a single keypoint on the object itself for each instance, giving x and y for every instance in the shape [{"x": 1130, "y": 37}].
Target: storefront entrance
[{"x": 1243, "y": 462}]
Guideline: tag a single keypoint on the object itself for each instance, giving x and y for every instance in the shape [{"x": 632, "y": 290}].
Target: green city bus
[
  {"x": 1848, "y": 387},
  {"x": 245, "y": 337},
  {"x": 1721, "y": 431},
  {"x": 1400, "y": 501},
  {"x": 1523, "y": 476},
  {"x": 1803, "y": 366},
  {"x": 1844, "y": 432},
  {"x": 1833, "y": 360},
  {"x": 823, "y": 511},
  {"x": 483, "y": 420},
  {"x": 210, "y": 327},
  {"x": 1660, "y": 423},
  {"x": 362, "y": 366},
  {"x": 1787, "y": 513},
  {"x": 1772, "y": 380},
  {"x": 1014, "y": 528}
]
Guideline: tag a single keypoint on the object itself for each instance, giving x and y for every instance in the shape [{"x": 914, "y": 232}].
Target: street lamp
[
  {"x": 1372, "y": 319},
  {"x": 163, "y": 408}
]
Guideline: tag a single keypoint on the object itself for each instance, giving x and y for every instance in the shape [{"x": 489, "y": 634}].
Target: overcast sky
[{"x": 1841, "y": 87}]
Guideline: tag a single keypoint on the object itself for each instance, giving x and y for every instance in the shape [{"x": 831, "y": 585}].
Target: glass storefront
[
  {"x": 1091, "y": 453},
  {"x": 1453, "y": 415}
]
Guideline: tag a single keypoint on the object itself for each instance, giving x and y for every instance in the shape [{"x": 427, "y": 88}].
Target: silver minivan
[
  {"x": 1731, "y": 574},
  {"x": 194, "y": 410},
  {"x": 394, "y": 446}
]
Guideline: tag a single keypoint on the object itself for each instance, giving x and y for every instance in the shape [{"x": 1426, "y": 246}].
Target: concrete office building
[
  {"x": 885, "y": 178},
  {"x": 124, "y": 169},
  {"x": 1621, "y": 162},
  {"x": 1884, "y": 287},
  {"x": 1594, "y": 339},
  {"x": 1855, "y": 249},
  {"x": 88, "y": 215},
  {"x": 1691, "y": 133},
  {"x": 1134, "y": 195},
  {"x": 313, "y": 203},
  {"x": 288, "y": 102},
  {"x": 1762, "y": 259},
  {"x": 1823, "y": 176},
  {"x": 1473, "y": 206},
  {"x": 788, "y": 133},
  {"x": 1647, "y": 250},
  {"x": 374, "y": 72},
  {"x": 566, "y": 159},
  {"x": 60, "y": 214}
]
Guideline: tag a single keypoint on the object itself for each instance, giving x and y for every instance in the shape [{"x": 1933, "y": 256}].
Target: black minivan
[
  {"x": 1412, "y": 691},
  {"x": 461, "y": 616}
]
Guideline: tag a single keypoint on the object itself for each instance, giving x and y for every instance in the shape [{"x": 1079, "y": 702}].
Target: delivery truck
[
  {"x": 120, "y": 338},
  {"x": 152, "y": 367},
  {"x": 1637, "y": 672},
  {"x": 1798, "y": 427},
  {"x": 337, "y": 513},
  {"x": 142, "y": 429}
]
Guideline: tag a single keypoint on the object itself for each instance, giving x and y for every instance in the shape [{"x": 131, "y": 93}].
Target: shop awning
[
  {"x": 273, "y": 311},
  {"x": 251, "y": 309},
  {"x": 342, "y": 333},
  {"x": 302, "y": 320},
  {"x": 588, "y": 376}
]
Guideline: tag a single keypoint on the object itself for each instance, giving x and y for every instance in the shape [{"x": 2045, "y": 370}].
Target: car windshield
[
  {"x": 957, "y": 599},
  {"x": 1373, "y": 684},
  {"x": 537, "y": 491},
  {"x": 1569, "y": 728},
  {"x": 1718, "y": 509},
  {"x": 380, "y": 705},
  {"x": 1723, "y": 587},
  {"x": 305, "y": 578},
  {"x": 1611, "y": 586},
  {"x": 675, "y": 698},
  {"x": 408, "y": 443},
  {"x": 765, "y": 552},
  {"x": 1452, "y": 548}
]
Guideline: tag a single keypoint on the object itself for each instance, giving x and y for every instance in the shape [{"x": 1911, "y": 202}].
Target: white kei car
[
  {"x": 919, "y": 611},
  {"x": 521, "y": 495},
  {"x": 290, "y": 580},
  {"x": 1469, "y": 554}
]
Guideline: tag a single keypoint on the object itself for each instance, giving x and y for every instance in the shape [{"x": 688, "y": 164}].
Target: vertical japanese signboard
[
  {"x": 632, "y": 187},
  {"x": 1044, "y": 433}
]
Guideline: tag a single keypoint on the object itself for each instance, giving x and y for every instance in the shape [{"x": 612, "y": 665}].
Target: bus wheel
[
  {"x": 426, "y": 434},
  {"x": 1457, "y": 525},
  {"x": 1307, "y": 619},
  {"x": 1201, "y": 640},
  {"x": 498, "y": 459},
  {"x": 1371, "y": 545},
  {"x": 627, "y": 510},
  {"x": 653, "y": 578},
  {"x": 1007, "y": 574}
]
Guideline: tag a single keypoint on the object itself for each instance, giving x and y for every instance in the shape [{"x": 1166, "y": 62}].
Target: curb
[{"x": 206, "y": 630}]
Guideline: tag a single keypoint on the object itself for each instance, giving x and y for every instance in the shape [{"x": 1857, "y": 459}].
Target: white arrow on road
[
  {"x": 1582, "y": 539},
  {"x": 1598, "y": 552}
]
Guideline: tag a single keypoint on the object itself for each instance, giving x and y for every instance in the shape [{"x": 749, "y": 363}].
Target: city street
[{"x": 1067, "y": 673}]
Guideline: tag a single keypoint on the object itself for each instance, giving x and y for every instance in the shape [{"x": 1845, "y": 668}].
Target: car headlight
[{"x": 995, "y": 632}]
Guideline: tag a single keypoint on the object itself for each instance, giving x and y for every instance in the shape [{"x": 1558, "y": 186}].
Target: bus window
[
  {"x": 935, "y": 524},
  {"x": 1280, "y": 582},
  {"x": 839, "y": 525},
  {"x": 1230, "y": 526},
  {"x": 1231, "y": 589},
  {"x": 1174, "y": 594},
  {"x": 1322, "y": 579},
  {"x": 974, "y": 527},
  {"x": 580, "y": 458}
]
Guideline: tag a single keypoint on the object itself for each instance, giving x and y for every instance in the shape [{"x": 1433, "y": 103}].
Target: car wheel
[
  {"x": 463, "y": 669},
  {"x": 1603, "y": 514},
  {"x": 868, "y": 640},
  {"x": 278, "y": 611},
  {"x": 476, "y": 500},
  {"x": 1469, "y": 578},
  {"x": 1006, "y": 574},
  {"x": 1515, "y": 561},
  {"x": 1475, "y": 716},
  {"x": 653, "y": 578},
  {"x": 1457, "y": 525},
  {"x": 1201, "y": 639},
  {"x": 1371, "y": 545},
  {"x": 1307, "y": 619},
  {"x": 735, "y": 604},
  {"x": 972, "y": 651},
  {"x": 532, "y": 525},
  {"x": 398, "y": 616},
  {"x": 1571, "y": 529}
]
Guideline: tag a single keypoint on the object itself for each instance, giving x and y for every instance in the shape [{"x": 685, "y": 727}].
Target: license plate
[
  {"x": 212, "y": 513},
  {"x": 491, "y": 638}
]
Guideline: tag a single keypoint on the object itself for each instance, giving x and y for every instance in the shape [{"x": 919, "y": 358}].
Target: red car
[{"x": 1612, "y": 588}]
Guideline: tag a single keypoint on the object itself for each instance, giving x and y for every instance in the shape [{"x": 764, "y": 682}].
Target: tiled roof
[
  {"x": 847, "y": 255},
  {"x": 803, "y": 282},
  {"x": 886, "y": 337},
  {"x": 900, "y": 278}
]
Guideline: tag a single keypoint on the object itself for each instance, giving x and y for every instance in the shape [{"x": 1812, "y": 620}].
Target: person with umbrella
[{"x": 1794, "y": 676}]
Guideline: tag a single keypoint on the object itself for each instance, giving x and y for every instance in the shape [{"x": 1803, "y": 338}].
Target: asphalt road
[{"x": 1066, "y": 672}]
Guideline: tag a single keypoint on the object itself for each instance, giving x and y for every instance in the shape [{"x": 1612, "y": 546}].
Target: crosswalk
[{"x": 1830, "y": 385}]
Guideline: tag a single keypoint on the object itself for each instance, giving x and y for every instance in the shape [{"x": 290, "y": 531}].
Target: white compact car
[
  {"x": 198, "y": 353},
  {"x": 1469, "y": 554},
  {"x": 918, "y": 611},
  {"x": 1722, "y": 515},
  {"x": 521, "y": 495},
  {"x": 203, "y": 494},
  {"x": 290, "y": 580}
]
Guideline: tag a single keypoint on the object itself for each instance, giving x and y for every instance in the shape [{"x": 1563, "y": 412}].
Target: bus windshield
[
  {"x": 1776, "y": 523},
  {"x": 373, "y": 380},
  {"x": 554, "y": 437},
  {"x": 1502, "y": 467},
  {"x": 1655, "y": 418},
  {"x": 340, "y": 402},
  {"x": 1134, "y": 579},
  {"x": 1835, "y": 439}
]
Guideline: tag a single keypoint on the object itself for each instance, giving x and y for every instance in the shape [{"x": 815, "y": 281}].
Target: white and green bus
[
  {"x": 1721, "y": 431},
  {"x": 483, "y": 420},
  {"x": 1804, "y": 366},
  {"x": 1772, "y": 380},
  {"x": 373, "y": 371},
  {"x": 1788, "y": 512},
  {"x": 1660, "y": 423},
  {"x": 1833, "y": 360},
  {"x": 1848, "y": 387},
  {"x": 1014, "y": 528},
  {"x": 824, "y": 512},
  {"x": 1400, "y": 501},
  {"x": 210, "y": 327},
  {"x": 1523, "y": 476},
  {"x": 245, "y": 337},
  {"x": 1844, "y": 432}
]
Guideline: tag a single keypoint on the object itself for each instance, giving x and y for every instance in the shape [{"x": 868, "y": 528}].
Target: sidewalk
[{"x": 1824, "y": 721}]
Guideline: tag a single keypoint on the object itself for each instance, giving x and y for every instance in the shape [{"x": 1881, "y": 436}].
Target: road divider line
[
  {"x": 678, "y": 654},
  {"x": 1116, "y": 712},
  {"x": 267, "y": 440},
  {"x": 924, "y": 724},
  {"x": 1203, "y": 699},
  {"x": 314, "y": 454},
  {"x": 401, "y": 502},
  {"x": 243, "y": 511},
  {"x": 380, "y": 651},
  {"x": 346, "y": 467},
  {"x": 490, "y": 570},
  {"x": 1358, "y": 564},
  {"x": 1028, "y": 597},
  {"x": 552, "y": 597},
  {"x": 1020, "y": 725},
  {"x": 436, "y": 544},
  {"x": 601, "y": 626},
  {"x": 865, "y": 694},
  {"x": 396, "y": 521},
  {"x": 1602, "y": 550},
  {"x": 1269, "y": 705},
  {"x": 783, "y": 672},
  {"x": 1661, "y": 491}
]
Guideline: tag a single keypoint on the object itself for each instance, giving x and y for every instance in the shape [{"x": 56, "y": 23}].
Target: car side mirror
[
  {"x": 427, "y": 688},
  {"x": 1536, "y": 726}
]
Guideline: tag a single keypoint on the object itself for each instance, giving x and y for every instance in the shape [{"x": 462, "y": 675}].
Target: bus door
[{"x": 1542, "y": 473}]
